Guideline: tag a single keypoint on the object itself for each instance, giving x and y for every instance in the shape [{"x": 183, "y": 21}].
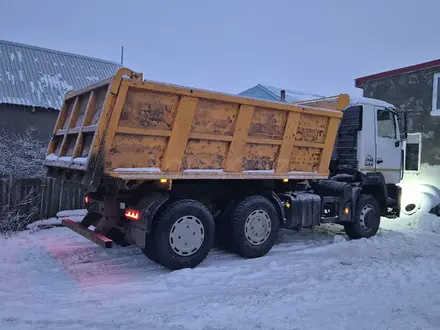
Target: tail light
[
  {"x": 132, "y": 214},
  {"x": 87, "y": 199}
]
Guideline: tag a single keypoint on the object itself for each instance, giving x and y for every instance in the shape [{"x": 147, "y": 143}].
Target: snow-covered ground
[
  {"x": 55, "y": 279},
  {"x": 74, "y": 215}
]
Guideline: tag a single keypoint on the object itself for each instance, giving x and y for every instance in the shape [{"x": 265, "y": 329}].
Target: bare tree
[
  {"x": 22, "y": 155},
  {"x": 17, "y": 217}
]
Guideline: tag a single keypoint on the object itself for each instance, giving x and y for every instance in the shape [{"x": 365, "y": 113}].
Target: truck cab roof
[{"x": 359, "y": 100}]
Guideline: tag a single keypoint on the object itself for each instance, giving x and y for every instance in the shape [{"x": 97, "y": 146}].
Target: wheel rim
[
  {"x": 366, "y": 219},
  {"x": 187, "y": 235},
  {"x": 257, "y": 227}
]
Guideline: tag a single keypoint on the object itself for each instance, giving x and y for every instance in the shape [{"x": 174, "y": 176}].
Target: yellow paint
[{"x": 177, "y": 130}]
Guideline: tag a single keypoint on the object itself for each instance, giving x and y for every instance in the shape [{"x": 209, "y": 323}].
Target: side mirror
[{"x": 404, "y": 130}]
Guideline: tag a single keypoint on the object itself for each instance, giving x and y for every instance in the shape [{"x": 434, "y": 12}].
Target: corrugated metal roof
[
  {"x": 40, "y": 77},
  {"x": 271, "y": 93}
]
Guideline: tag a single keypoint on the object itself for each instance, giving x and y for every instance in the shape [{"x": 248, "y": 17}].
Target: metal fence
[{"x": 48, "y": 195}]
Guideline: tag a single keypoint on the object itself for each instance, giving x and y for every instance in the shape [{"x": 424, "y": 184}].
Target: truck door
[{"x": 388, "y": 145}]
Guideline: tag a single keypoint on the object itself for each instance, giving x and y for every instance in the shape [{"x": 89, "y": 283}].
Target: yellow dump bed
[{"x": 132, "y": 129}]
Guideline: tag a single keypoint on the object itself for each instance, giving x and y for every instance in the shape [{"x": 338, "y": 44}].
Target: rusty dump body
[{"x": 132, "y": 129}]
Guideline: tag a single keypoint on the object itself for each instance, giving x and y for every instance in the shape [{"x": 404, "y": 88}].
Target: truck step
[{"x": 96, "y": 238}]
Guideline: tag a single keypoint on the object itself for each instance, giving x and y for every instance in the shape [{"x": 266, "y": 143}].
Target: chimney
[{"x": 283, "y": 96}]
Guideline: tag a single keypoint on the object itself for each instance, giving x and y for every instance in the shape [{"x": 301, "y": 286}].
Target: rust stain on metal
[
  {"x": 138, "y": 124},
  {"x": 324, "y": 104},
  {"x": 312, "y": 128},
  {"x": 82, "y": 104},
  {"x": 215, "y": 117},
  {"x": 87, "y": 143},
  {"x": 136, "y": 151},
  {"x": 149, "y": 110},
  {"x": 70, "y": 145},
  {"x": 100, "y": 99},
  {"x": 259, "y": 156},
  {"x": 70, "y": 104},
  {"x": 268, "y": 123},
  {"x": 305, "y": 159},
  {"x": 202, "y": 154}
]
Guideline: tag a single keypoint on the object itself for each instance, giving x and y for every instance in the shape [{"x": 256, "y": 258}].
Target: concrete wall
[
  {"x": 16, "y": 119},
  {"x": 412, "y": 92}
]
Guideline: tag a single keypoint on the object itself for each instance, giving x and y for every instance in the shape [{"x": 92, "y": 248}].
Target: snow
[
  {"x": 51, "y": 222},
  {"x": 10, "y": 77},
  {"x": 65, "y": 159},
  {"x": 430, "y": 222},
  {"x": 80, "y": 160},
  {"x": 137, "y": 169},
  {"x": 209, "y": 170},
  {"x": 74, "y": 215},
  {"x": 51, "y": 157},
  {"x": 291, "y": 95},
  {"x": 367, "y": 100},
  {"x": 69, "y": 213},
  {"x": 92, "y": 79},
  {"x": 259, "y": 171},
  {"x": 56, "y": 279}
]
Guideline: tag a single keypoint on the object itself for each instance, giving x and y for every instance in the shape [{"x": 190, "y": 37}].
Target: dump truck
[{"x": 174, "y": 170}]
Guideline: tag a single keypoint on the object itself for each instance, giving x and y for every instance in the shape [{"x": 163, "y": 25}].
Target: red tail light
[
  {"x": 86, "y": 199},
  {"x": 132, "y": 214}
]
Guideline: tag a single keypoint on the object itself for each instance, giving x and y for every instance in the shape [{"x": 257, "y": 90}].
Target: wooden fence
[{"x": 47, "y": 195}]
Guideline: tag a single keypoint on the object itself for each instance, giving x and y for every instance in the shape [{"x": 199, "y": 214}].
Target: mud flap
[{"x": 110, "y": 217}]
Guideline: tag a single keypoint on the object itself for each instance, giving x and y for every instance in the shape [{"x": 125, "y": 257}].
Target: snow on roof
[
  {"x": 367, "y": 100},
  {"x": 39, "y": 77},
  {"x": 271, "y": 93},
  {"x": 291, "y": 95}
]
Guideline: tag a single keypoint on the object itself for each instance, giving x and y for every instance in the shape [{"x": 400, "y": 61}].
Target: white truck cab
[
  {"x": 369, "y": 147},
  {"x": 380, "y": 146}
]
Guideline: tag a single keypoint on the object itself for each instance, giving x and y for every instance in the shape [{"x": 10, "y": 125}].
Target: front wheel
[
  {"x": 183, "y": 235},
  {"x": 366, "y": 218}
]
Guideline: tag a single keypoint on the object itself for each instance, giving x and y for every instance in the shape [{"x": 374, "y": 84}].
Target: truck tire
[
  {"x": 223, "y": 230},
  {"x": 183, "y": 235},
  {"x": 150, "y": 249},
  {"x": 255, "y": 225},
  {"x": 366, "y": 218}
]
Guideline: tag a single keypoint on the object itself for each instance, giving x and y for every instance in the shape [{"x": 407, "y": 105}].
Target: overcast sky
[{"x": 316, "y": 46}]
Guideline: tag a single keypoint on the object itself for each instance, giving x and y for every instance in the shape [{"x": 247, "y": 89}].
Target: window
[
  {"x": 436, "y": 95},
  {"x": 413, "y": 151},
  {"x": 386, "y": 124}
]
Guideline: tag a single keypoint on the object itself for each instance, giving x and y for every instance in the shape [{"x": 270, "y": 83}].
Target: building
[
  {"x": 271, "y": 93},
  {"x": 415, "y": 90},
  {"x": 34, "y": 81}
]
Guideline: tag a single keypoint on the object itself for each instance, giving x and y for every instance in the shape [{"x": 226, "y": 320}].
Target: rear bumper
[{"x": 96, "y": 238}]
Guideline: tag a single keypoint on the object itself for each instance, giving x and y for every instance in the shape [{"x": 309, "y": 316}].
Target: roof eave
[{"x": 359, "y": 82}]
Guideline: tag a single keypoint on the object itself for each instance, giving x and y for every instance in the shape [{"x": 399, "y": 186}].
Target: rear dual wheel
[
  {"x": 182, "y": 236},
  {"x": 251, "y": 229}
]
